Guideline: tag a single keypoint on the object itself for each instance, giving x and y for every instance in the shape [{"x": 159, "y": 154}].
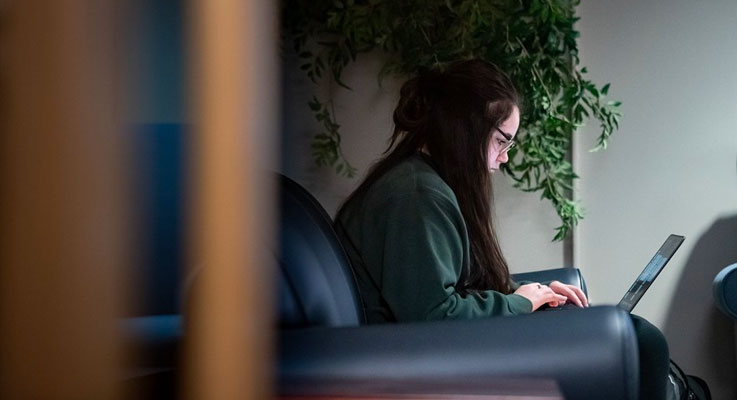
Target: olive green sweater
[{"x": 408, "y": 244}]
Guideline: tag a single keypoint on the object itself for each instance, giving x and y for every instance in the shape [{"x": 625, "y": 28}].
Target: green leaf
[{"x": 314, "y": 104}]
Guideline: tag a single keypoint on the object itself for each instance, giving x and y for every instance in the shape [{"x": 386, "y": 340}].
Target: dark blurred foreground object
[{"x": 470, "y": 389}]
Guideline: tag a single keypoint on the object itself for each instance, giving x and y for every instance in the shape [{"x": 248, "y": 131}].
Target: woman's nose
[{"x": 502, "y": 158}]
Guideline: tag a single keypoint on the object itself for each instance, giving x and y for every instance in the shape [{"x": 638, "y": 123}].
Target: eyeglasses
[{"x": 504, "y": 146}]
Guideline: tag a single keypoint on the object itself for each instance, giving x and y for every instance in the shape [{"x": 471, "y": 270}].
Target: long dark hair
[{"x": 452, "y": 113}]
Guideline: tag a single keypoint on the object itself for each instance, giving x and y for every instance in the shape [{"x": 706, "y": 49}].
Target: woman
[{"x": 419, "y": 229}]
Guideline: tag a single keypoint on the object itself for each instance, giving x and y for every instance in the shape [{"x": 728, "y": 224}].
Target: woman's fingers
[
  {"x": 560, "y": 300},
  {"x": 581, "y": 296},
  {"x": 552, "y": 298},
  {"x": 574, "y": 294},
  {"x": 554, "y": 295}
]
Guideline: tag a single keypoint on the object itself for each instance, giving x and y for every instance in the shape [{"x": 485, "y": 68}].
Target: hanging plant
[{"x": 534, "y": 41}]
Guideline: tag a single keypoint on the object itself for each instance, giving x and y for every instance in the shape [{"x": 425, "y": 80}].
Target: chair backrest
[{"x": 316, "y": 283}]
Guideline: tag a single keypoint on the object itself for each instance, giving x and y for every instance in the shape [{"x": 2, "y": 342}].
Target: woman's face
[{"x": 501, "y": 138}]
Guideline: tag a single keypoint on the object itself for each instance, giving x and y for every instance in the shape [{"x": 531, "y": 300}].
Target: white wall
[
  {"x": 525, "y": 224},
  {"x": 670, "y": 169}
]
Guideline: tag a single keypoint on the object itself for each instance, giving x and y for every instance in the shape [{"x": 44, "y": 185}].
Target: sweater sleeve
[{"x": 424, "y": 250}]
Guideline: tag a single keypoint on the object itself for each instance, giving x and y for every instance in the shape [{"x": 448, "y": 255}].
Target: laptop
[
  {"x": 646, "y": 278},
  {"x": 651, "y": 271}
]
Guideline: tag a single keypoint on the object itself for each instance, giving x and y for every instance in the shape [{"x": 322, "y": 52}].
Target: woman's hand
[
  {"x": 573, "y": 293},
  {"x": 539, "y": 295}
]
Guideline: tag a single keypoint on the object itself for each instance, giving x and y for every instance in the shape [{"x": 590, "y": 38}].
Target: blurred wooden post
[
  {"x": 228, "y": 349},
  {"x": 62, "y": 200}
]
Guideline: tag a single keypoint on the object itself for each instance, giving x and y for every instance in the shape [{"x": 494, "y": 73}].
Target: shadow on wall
[{"x": 700, "y": 337}]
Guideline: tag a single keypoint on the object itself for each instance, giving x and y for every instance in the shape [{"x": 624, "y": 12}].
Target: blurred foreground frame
[
  {"x": 66, "y": 245},
  {"x": 63, "y": 240}
]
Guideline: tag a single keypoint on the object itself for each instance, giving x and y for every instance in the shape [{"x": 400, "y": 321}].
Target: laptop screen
[{"x": 651, "y": 271}]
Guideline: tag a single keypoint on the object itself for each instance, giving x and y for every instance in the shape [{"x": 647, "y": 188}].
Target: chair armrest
[
  {"x": 725, "y": 291},
  {"x": 591, "y": 353},
  {"x": 570, "y": 276}
]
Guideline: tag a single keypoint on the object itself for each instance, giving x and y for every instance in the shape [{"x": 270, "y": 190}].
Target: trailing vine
[{"x": 534, "y": 41}]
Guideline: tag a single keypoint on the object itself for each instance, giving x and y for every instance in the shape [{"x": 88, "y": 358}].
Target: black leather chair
[
  {"x": 725, "y": 291},
  {"x": 725, "y": 294},
  {"x": 591, "y": 353}
]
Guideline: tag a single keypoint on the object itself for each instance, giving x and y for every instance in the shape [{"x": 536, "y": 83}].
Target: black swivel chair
[{"x": 591, "y": 354}]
